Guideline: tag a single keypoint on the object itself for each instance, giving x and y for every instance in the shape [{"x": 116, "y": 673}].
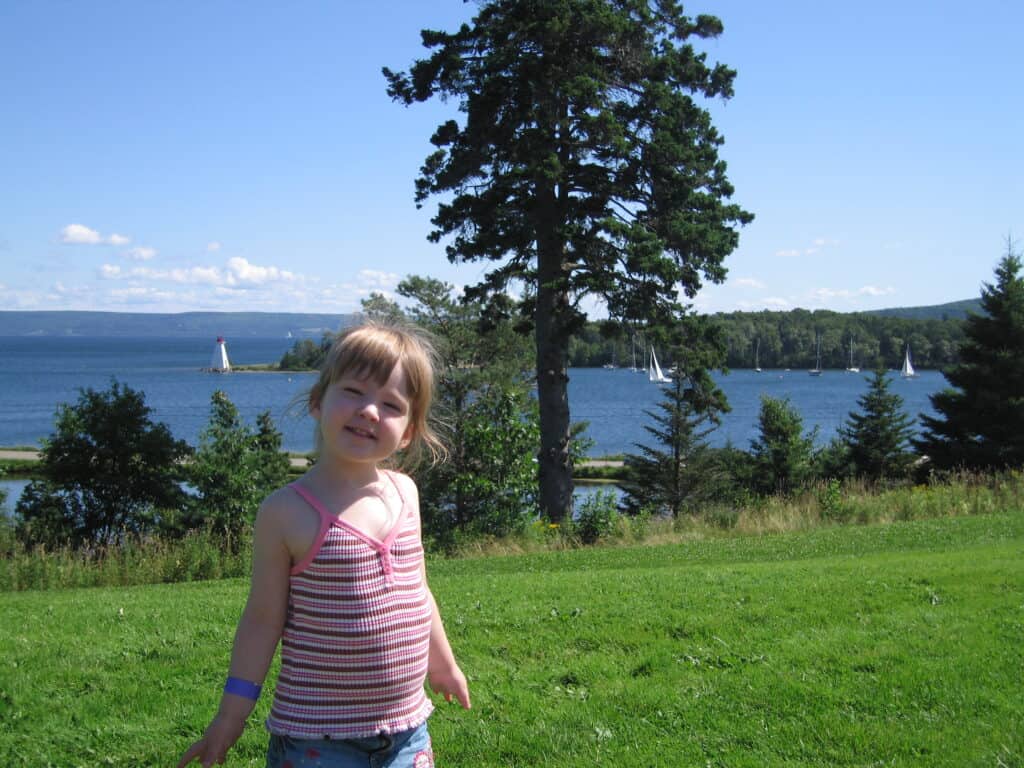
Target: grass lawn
[{"x": 890, "y": 645}]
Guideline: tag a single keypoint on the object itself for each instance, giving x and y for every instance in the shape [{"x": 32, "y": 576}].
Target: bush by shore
[{"x": 202, "y": 555}]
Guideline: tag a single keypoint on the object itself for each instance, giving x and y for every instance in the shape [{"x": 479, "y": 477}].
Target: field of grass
[{"x": 887, "y": 645}]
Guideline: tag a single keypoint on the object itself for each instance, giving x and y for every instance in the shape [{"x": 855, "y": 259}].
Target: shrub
[
  {"x": 597, "y": 517},
  {"x": 108, "y": 466},
  {"x": 235, "y": 468}
]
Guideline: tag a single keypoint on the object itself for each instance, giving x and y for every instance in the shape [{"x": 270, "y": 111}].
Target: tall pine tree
[
  {"x": 582, "y": 163},
  {"x": 877, "y": 438},
  {"x": 981, "y": 417}
]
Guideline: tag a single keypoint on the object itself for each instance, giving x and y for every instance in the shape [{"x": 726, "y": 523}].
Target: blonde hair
[{"x": 371, "y": 351}]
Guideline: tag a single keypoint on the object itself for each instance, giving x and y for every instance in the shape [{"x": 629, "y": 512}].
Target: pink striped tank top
[{"x": 357, "y": 635}]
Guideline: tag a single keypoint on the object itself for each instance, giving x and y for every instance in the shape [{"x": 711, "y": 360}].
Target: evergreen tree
[
  {"x": 877, "y": 438},
  {"x": 782, "y": 454},
  {"x": 671, "y": 478},
  {"x": 109, "y": 470},
  {"x": 981, "y": 417},
  {"x": 584, "y": 164},
  {"x": 234, "y": 469},
  {"x": 678, "y": 474}
]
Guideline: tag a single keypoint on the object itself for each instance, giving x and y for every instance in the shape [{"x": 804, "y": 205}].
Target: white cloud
[
  {"x": 213, "y": 247},
  {"x": 824, "y": 294},
  {"x": 190, "y": 276},
  {"x": 375, "y": 278},
  {"x": 776, "y": 301},
  {"x": 871, "y": 290},
  {"x": 137, "y": 294},
  {"x": 749, "y": 282},
  {"x": 79, "y": 234},
  {"x": 206, "y": 275},
  {"x": 64, "y": 293},
  {"x": 142, "y": 253},
  {"x": 241, "y": 271},
  {"x": 827, "y": 294},
  {"x": 815, "y": 247}
]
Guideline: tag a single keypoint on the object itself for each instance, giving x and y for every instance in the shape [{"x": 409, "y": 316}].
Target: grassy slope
[{"x": 890, "y": 645}]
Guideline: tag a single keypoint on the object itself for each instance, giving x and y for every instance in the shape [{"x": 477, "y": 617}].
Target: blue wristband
[{"x": 242, "y": 688}]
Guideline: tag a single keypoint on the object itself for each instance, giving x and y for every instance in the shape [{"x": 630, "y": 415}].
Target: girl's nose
[{"x": 369, "y": 411}]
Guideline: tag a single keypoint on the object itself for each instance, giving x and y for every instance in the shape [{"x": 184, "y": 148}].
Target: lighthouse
[{"x": 219, "y": 362}]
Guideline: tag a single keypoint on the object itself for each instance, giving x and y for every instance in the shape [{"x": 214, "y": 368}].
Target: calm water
[{"x": 39, "y": 373}]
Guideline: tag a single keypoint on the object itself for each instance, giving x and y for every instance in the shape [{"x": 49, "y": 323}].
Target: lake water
[{"x": 39, "y": 373}]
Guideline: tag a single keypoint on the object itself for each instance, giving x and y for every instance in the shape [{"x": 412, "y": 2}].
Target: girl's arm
[
  {"x": 443, "y": 671},
  {"x": 257, "y": 635}
]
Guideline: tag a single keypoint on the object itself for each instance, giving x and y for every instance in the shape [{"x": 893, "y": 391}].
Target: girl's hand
[
  {"x": 218, "y": 739},
  {"x": 450, "y": 682}
]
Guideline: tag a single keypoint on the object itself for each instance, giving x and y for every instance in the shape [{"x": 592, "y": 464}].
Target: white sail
[
  {"x": 816, "y": 370},
  {"x": 219, "y": 362},
  {"x": 654, "y": 370},
  {"x": 853, "y": 368},
  {"x": 907, "y": 371}
]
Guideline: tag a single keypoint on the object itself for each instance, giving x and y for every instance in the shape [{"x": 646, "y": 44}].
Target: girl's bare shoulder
[
  {"x": 405, "y": 484},
  {"x": 291, "y": 519}
]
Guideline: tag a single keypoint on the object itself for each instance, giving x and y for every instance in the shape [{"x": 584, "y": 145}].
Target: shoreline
[{"x": 33, "y": 456}]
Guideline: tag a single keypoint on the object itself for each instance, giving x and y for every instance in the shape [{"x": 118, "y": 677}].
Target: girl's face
[{"x": 362, "y": 421}]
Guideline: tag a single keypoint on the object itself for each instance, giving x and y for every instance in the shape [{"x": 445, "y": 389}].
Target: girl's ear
[
  {"x": 410, "y": 433},
  {"x": 314, "y": 407}
]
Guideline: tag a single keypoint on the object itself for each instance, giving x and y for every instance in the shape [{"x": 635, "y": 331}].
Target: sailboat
[
  {"x": 633, "y": 341},
  {"x": 853, "y": 368},
  {"x": 757, "y": 350},
  {"x": 816, "y": 370},
  {"x": 654, "y": 370},
  {"x": 219, "y": 361},
  {"x": 907, "y": 371}
]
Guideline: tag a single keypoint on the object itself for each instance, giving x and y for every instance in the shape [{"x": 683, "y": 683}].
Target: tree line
[
  {"x": 765, "y": 339},
  {"x": 790, "y": 340}
]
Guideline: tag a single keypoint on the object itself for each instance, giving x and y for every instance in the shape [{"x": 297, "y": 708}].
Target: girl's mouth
[{"x": 362, "y": 433}]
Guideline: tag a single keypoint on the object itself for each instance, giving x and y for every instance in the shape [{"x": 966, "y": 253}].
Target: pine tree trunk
[{"x": 552, "y": 338}]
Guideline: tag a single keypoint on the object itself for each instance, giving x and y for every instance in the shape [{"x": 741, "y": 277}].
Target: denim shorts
[{"x": 407, "y": 749}]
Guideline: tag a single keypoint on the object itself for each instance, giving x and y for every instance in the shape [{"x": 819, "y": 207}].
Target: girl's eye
[
  {"x": 393, "y": 407},
  {"x": 353, "y": 390}
]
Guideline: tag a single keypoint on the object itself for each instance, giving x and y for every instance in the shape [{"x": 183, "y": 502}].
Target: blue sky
[{"x": 187, "y": 156}]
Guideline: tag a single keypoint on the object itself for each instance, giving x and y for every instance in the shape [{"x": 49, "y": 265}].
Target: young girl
[{"x": 338, "y": 578}]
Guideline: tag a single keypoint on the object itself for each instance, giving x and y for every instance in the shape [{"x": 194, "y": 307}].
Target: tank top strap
[
  {"x": 404, "y": 513},
  {"x": 326, "y": 518},
  {"x": 390, "y": 473}
]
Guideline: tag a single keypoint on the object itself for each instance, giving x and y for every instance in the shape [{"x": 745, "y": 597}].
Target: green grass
[{"x": 889, "y": 645}]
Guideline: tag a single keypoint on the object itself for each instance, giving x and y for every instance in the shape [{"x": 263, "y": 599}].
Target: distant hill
[
  {"x": 954, "y": 310},
  {"x": 185, "y": 324}
]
